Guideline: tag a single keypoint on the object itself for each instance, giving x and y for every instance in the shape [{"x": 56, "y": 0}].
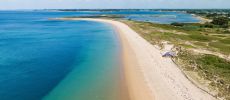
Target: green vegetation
[
  {"x": 210, "y": 13},
  {"x": 221, "y": 46},
  {"x": 196, "y": 35},
  {"x": 188, "y": 37},
  {"x": 210, "y": 67},
  {"x": 221, "y": 21},
  {"x": 177, "y": 24},
  {"x": 226, "y": 41},
  {"x": 220, "y": 17}
]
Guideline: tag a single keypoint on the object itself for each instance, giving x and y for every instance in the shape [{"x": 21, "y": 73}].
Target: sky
[{"x": 112, "y": 4}]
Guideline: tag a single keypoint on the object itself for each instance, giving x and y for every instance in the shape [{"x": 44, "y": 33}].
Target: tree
[
  {"x": 221, "y": 21},
  {"x": 212, "y": 15}
]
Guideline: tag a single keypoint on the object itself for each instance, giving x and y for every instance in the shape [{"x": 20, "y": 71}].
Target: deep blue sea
[{"x": 43, "y": 59}]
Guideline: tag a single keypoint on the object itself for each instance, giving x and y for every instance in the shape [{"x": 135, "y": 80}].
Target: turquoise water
[
  {"x": 57, "y": 60},
  {"x": 95, "y": 78},
  {"x": 43, "y": 59}
]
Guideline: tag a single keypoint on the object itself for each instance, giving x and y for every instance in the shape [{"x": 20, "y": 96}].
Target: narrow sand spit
[{"x": 150, "y": 76}]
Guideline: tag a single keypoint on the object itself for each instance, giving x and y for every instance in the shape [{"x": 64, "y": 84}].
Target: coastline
[
  {"x": 149, "y": 76},
  {"x": 96, "y": 73},
  {"x": 202, "y": 19},
  {"x": 137, "y": 88}
]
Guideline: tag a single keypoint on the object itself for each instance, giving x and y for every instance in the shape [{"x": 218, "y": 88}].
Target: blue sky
[{"x": 87, "y": 4}]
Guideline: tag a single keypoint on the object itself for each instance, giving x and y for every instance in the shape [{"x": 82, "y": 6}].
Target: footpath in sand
[{"x": 150, "y": 76}]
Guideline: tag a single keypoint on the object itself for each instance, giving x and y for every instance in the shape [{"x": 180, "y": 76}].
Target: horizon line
[{"x": 120, "y": 9}]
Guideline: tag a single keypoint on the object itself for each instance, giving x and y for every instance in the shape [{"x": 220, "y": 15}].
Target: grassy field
[
  {"x": 195, "y": 36},
  {"x": 211, "y": 64}
]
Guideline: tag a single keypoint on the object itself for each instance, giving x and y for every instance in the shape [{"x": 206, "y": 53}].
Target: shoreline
[
  {"x": 137, "y": 89},
  {"x": 202, "y": 19},
  {"x": 149, "y": 76}
]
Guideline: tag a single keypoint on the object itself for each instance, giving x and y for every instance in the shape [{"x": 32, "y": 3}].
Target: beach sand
[
  {"x": 149, "y": 76},
  {"x": 202, "y": 19}
]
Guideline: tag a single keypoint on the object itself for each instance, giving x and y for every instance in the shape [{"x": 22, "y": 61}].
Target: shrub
[
  {"x": 177, "y": 24},
  {"x": 221, "y": 21},
  {"x": 208, "y": 25}
]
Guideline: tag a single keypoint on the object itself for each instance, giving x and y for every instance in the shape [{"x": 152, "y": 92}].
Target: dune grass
[
  {"x": 220, "y": 46},
  {"x": 225, "y": 41},
  {"x": 193, "y": 33},
  {"x": 192, "y": 36}
]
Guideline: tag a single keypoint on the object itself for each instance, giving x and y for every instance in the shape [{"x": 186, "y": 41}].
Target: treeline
[
  {"x": 221, "y": 21},
  {"x": 220, "y": 17},
  {"x": 217, "y": 22},
  {"x": 211, "y": 13}
]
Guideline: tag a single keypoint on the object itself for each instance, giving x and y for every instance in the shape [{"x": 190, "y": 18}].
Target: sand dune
[{"x": 150, "y": 76}]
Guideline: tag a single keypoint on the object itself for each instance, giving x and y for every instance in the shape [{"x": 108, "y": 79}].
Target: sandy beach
[
  {"x": 149, "y": 76},
  {"x": 202, "y": 19}
]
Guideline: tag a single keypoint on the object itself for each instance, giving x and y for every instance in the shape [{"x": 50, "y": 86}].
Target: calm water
[
  {"x": 154, "y": 16},
  {"x": 40, "y": 58},
  {"x": 62, "y": 60}
]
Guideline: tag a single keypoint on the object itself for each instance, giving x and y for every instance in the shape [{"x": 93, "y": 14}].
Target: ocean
[{"x": 43, "y": 59}]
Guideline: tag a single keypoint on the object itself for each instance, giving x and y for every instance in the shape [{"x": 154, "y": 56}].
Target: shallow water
[
  {"x": 97, "y": 77},
  {"x": 41, "y": 58}
]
